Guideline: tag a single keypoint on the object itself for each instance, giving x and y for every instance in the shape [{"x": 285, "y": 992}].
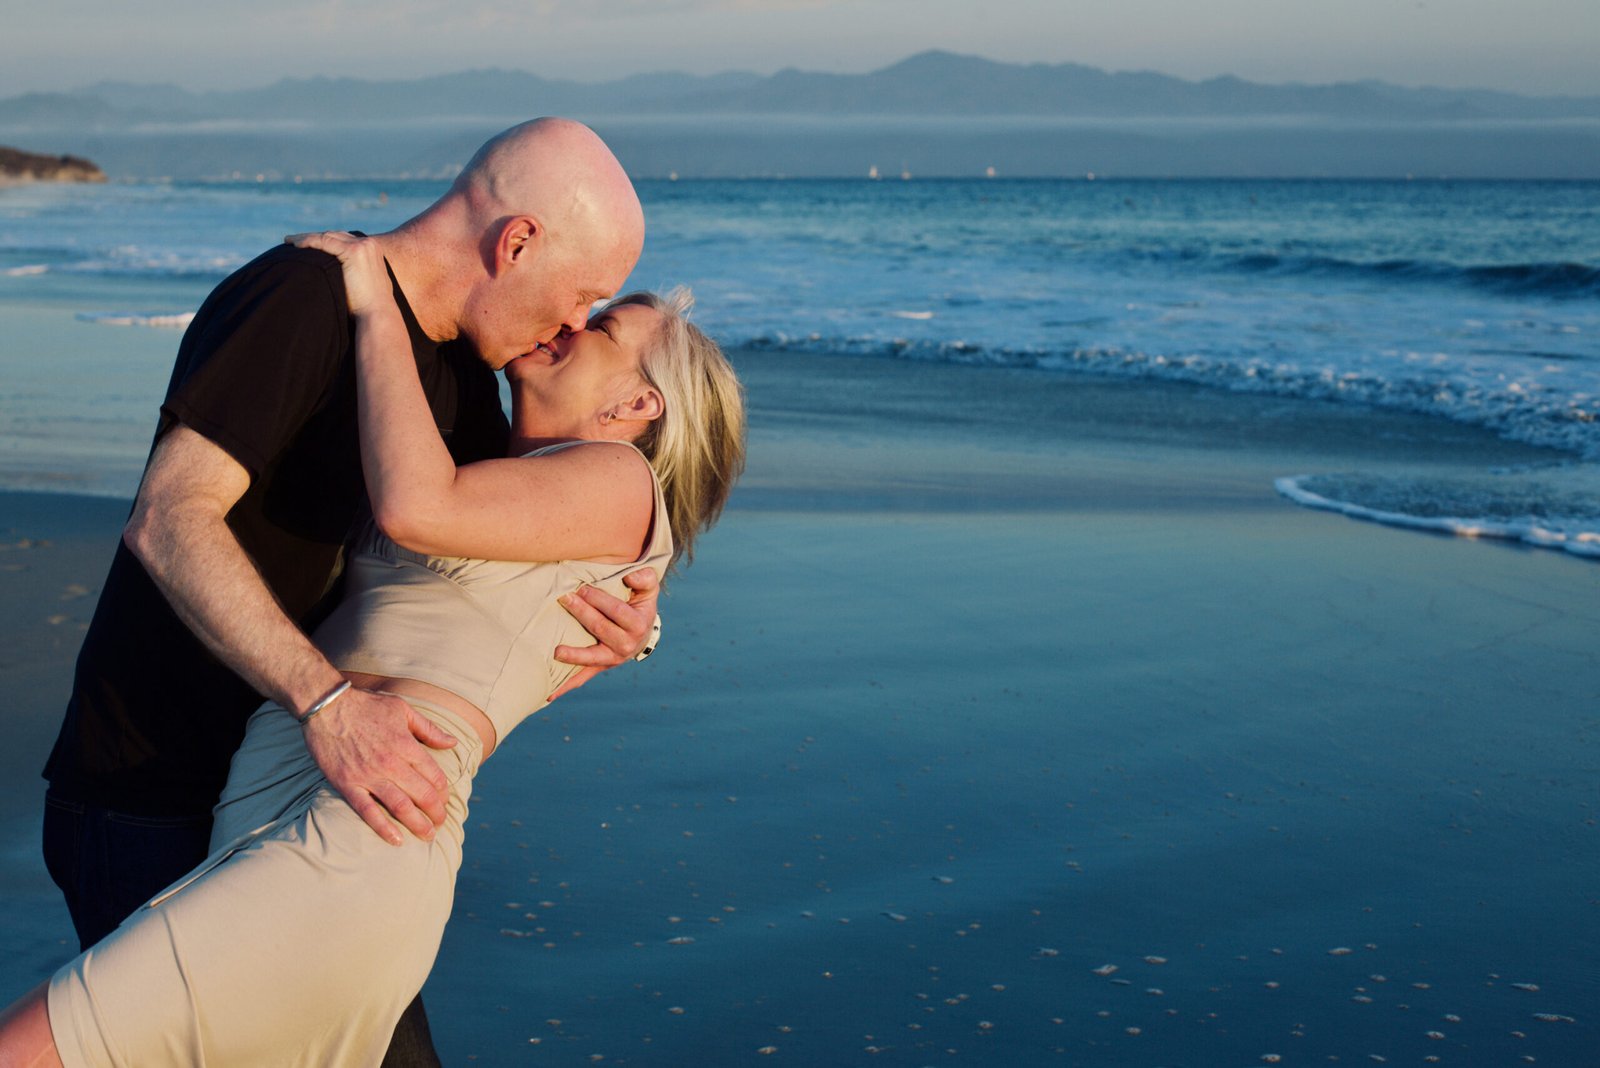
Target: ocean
[{"x": 1472, "y": 301}]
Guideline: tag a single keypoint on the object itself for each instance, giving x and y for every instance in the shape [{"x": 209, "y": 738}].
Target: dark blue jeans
[{"x": 108, "y": 863}]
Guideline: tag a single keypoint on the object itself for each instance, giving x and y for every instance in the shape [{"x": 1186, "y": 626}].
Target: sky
[{"x": 1529, "y": 46}]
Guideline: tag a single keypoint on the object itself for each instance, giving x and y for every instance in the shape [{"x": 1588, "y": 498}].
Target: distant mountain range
[
  {"x": 934, "y": 84},
  {"x": 930, "y": 115}
]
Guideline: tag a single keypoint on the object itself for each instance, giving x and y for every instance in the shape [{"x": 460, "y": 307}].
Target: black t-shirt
[{"x": 266, "y": 372}]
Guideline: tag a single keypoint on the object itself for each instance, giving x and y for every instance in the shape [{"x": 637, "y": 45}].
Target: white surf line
[
  {"x": 170, "y": 320},
  {"x": 1579, "y": 543}
]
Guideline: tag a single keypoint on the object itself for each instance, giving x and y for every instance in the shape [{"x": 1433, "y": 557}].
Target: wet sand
[
  {"x": 54, "y": 551},
  {"x": 1013, "y": 719}
]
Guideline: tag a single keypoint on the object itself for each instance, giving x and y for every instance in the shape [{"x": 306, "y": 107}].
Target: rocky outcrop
[{"x": 19, "y": 166}]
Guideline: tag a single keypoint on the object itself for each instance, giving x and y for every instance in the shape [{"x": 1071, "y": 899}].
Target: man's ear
[{"x": 520, "y": 236}]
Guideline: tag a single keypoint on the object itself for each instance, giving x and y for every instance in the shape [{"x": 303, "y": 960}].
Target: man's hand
[
  {"x": 367, "y": 744},
  {"x": 620, "y": 628}
]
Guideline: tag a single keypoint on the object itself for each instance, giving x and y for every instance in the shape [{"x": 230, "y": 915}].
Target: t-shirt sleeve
[{"x": 262, "y": 355}]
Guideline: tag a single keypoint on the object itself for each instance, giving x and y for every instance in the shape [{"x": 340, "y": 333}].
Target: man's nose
[{"x": 576, "y": 320}]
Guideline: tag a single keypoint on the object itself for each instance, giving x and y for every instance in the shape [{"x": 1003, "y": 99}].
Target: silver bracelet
[
  {"x": 323, "y": 702},
  {"x": 652, "y": 641}
]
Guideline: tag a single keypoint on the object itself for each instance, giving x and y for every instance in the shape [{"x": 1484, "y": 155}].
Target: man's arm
[
  {"x": 620, "y": 628},
  {"x": 366, "y": 743}
]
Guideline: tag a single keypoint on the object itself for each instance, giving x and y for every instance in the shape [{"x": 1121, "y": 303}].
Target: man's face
[{"x": 542, "y": 293}]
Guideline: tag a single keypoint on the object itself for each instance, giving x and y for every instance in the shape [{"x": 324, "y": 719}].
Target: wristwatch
[{"x": 652, "y": 641}]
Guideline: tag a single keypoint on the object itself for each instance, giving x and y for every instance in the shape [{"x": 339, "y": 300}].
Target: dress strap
[{"x": 575, "y": 442}]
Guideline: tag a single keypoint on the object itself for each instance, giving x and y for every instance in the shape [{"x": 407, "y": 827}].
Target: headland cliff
[{"x": 19, "y": 166}]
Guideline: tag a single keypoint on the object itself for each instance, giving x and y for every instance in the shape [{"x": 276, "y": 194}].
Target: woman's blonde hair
[{"x": 697, "y": 446}]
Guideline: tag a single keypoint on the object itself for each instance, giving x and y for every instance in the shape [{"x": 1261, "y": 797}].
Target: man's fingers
[
  {"x": 586, "y": 656},
  {"x": 600, "y": 605},
  {"x": 578, "y": 679},
  {"x": 369, "y": 748},
  {"x": 430, "y": 774},
  {"x": 415, "y": 784},
  {"x": 421, "y": 790},
  {"x": 400, "y": 806},
  {"x": 429, "y": 734},
  {"x": 603, "y": 616},
  {"x": 642, "y": 580},
  {"x": 374, "y": 815},
  {"x": 401, "y": 793}
]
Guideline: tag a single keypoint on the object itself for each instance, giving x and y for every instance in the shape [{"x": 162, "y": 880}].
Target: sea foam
[
  {"x": 166, "y": 320},
  {"x": 1547, "y": 399},
  {"x": 1556, "y": 509}
]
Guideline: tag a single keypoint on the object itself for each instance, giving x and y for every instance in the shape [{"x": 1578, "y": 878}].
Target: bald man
[{"x": 253, "y": 483}]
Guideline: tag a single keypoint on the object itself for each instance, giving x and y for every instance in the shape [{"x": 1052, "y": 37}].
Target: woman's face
[{"x": 564, "y": 388}]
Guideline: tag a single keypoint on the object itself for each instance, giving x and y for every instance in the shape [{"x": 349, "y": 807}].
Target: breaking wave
[
  {"x": 1557, "y": 419},
  {"x": 1530, "y": 509},
  {"x": 167, "y": 320}
]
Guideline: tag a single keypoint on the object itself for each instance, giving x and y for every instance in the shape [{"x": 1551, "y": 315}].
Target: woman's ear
[{"x": 644, "y": 405}]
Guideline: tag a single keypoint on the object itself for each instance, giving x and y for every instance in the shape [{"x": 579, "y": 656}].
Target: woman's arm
[{"x": 593, "y": 502}]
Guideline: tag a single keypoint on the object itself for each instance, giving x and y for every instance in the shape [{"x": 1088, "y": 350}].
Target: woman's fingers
[
  {"x": 340, "y": 243},
  {"x": 366, "y": 280},
  {"x": 337, "y": 242}
]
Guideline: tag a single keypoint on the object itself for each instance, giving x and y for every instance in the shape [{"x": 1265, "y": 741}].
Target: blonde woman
[{"x": 303, "y": 936}]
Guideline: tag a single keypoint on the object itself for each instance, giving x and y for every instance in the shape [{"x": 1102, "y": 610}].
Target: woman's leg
[
  {"x": 25, "y": 1038},
  {"x": 300, "y": 944},
  {"x": 302, "y": 948}
]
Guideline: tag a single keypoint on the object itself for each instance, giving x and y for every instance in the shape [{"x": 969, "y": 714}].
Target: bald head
[
  {"x": 560, "y": 173},
  {"x": 542, "y": 223}
]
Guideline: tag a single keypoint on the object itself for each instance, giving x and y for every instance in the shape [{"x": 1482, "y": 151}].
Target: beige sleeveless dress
[{"x": 303, "y": 937}]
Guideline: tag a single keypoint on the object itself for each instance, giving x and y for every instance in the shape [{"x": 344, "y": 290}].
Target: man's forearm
[
  {"x": 196, "y": 561},
  {"x": 368, "y": 746}
]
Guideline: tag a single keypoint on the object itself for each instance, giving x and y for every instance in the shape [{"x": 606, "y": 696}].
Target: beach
[{"x": 1009, "y": 717}]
